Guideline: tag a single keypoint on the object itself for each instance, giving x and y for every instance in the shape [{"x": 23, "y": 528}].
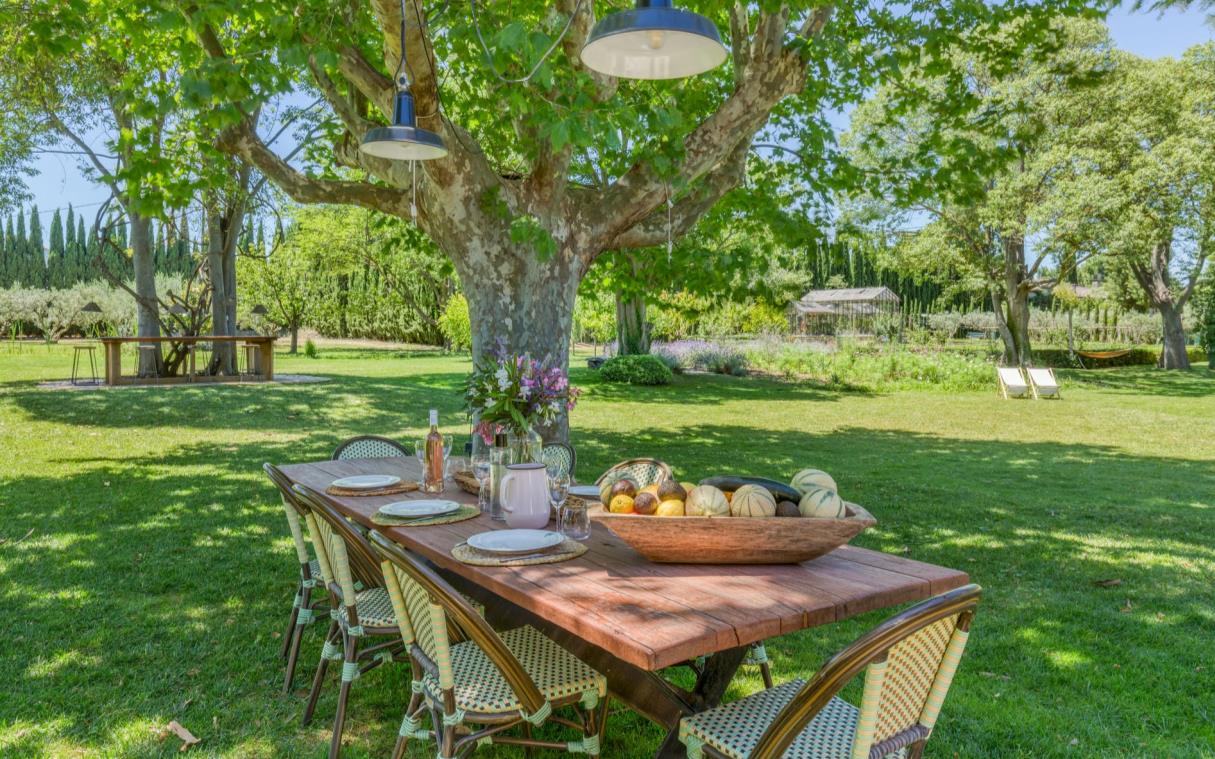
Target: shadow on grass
[
  {"x": 153, "y": 590},
  {"x": 1145, "y": 380}
]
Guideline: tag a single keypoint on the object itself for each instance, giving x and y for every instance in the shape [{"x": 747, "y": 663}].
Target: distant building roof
[{"x": 850, "y": 295}]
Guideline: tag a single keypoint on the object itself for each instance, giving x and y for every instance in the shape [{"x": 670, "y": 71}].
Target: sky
[{"x": 1151, "y": 35}]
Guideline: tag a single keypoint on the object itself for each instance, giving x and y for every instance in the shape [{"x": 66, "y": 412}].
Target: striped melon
[
  {"x": 821, "y": 503},
  {"x": 752, "y": 501},
  {"x": 707, "y": 501},
  {"x": 810, "y": 478}
]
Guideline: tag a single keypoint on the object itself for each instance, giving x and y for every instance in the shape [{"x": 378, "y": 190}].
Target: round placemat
[
  {"x": 464, "y": 513},
  {"x": 407, "y": 486},
  {"x": 566, "y": 550}
]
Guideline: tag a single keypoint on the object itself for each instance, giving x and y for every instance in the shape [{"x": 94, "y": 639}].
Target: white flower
[{"x": 503, "y": 379}]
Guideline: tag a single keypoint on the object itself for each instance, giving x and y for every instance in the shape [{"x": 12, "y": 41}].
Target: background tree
[
  {"x": 1141, "y": 176},
  {"x": 980, "y": 196}
]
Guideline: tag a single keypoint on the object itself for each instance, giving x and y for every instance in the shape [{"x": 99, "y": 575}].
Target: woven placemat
[
  {"x": 405, "y": 486},
  {"x": 568, "y": 549},
  {"x": 465, "y": 512}
]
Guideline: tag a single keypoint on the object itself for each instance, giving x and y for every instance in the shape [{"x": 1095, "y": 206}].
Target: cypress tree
[
  {"x": 36, "y": 252},
  {"x": 85, "y": 268},
  {"x": 70, "y": 229},
  {"x": 56, "y": 234},
  {"x": 4, "y": 253}
]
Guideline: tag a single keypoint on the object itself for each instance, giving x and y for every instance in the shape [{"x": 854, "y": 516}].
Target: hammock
[{"x": 1102, "y": 355}]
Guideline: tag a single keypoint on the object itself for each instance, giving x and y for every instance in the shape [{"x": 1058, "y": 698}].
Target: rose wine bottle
[{"x": 432, "y": 476}]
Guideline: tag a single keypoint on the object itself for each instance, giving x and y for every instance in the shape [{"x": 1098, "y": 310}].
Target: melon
[
  {"x": 687, "y": 486},
  {"x": 670, "y": 508},
  {"x": 650, "y": 489},
  {"x": 707, "y": 501},
  {"x": 670, "y": 490},
  {"x": 787, "y": 509},
  {"x": 806, "y": 479},
  {"x": 752, "y": 501},
  {"x": 822, "y": 503}
]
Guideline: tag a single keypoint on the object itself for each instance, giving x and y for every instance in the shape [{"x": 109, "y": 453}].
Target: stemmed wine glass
[
  {"x": 419, "y": 451},
  {"x": 481, "y": 470}
]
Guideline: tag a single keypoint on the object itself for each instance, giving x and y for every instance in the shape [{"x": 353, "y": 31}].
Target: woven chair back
[
  {"x": 644, "y": 472},
  {"x": 560, "y": 455},
  {"x": 909, "y": 662},
  {"x": 333, "y": 535},
  {"x": 425, "y": 604},
  {"x": 369, "y": 447},
  {"x": 294, "y": 510}
]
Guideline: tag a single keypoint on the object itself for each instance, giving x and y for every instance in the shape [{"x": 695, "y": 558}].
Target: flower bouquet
[{"x": 515, "y": 394}]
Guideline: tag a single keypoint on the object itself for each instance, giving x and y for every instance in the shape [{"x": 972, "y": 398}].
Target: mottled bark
[
  {"x": 151, "y": 363},
  {"x": 1013, "y": 310},
  {"x": 632, "y": 331}
]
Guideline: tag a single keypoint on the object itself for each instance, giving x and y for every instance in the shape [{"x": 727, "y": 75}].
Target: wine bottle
[
  {"x": 499, "y": 457},
  {"x": 432, "y": 477}
]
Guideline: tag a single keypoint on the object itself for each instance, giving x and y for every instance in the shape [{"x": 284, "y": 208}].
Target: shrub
[
  {"x": 310, "y": 349},
  {"x": 636, "y": 370},
  {"x": 720, "y": 360},
  {"x": 455, "y": 324},
  {"x": 884, "y": 369}
]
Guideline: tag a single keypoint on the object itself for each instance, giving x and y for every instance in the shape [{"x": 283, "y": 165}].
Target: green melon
[
  {"x": 706, "y": 501},
  {"x": 752, "y": 501},
  {"x": 806, "y": 479},
  {"x": 821, "y": 503}
]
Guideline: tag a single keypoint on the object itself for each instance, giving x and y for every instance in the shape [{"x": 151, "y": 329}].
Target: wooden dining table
[
  {"x": 113, "y": 355},
  {"x": 630, "y": 618}
]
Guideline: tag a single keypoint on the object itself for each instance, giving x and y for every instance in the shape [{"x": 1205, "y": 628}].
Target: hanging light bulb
[
  {"x": 403, "y": 140},
  {"x": 654, "y": 41}
]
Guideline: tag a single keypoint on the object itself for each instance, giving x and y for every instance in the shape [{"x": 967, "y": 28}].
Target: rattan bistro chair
[
  {"x": 477, "y": 689},
  {"x": 909, "y": 662},
  {"x": 560, "y": 455},
  {"x": 369, "y": 447},
  {"x": 306, "y": 609},
  {"x": 361, "y": 606}
]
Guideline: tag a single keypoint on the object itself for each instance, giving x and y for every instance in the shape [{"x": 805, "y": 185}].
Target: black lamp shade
[
  {"x": 654, "y": 41},
  {"x": 259, "y": 310},
  {"x": 403, "y": 141},
  {"x": 91, "y": 308}
]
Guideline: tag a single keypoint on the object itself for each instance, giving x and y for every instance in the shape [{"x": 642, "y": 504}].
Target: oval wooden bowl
[{"x": 734, "y": 540}]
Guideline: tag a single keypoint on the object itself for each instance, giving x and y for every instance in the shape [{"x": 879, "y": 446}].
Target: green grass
[{"x": 157, "y": 570}]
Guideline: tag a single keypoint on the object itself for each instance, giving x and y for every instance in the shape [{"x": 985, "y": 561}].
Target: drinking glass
[
  {"x": 419, "y": 452},
  {"x": 480, "y": 468},
  {"x": 573, "y": 521}
]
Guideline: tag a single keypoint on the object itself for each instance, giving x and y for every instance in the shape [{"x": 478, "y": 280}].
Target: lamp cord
[{"x": 489, "y": 59}]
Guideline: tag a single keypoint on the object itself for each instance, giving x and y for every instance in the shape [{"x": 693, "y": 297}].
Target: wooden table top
[
  {"x": 653, "y": 615},
  {"x": 191, "y": 339}
]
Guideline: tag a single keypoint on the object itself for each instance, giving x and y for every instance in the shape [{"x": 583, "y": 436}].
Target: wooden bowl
[{"x": 734, "y": 540}]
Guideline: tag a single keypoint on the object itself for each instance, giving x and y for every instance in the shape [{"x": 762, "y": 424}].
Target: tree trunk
[
  {"x": 224, "y": 223},
  {"x": 632, "y": 332},
  {"x": 521, "y": 305},
  {"x": 1173, "y": 353},
  {"x": 295, "y": 339},
  {"x": 1016, "y": 304},
  {"x": 151, "y": 363},
  {"x": 1155, "y": 281}
]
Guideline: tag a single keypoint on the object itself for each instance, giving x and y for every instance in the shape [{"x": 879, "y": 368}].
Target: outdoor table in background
[
  {"x": 630, "y": 618},
  {"x": 113, "y": 354}
]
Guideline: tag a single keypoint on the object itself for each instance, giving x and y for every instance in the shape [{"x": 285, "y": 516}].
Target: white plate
[
  {"x": 585, "y": 492},
  {"x": 515, "y": 541},
  {"x": 421, "y": 508},
  {"x": 367, "y": 482}
]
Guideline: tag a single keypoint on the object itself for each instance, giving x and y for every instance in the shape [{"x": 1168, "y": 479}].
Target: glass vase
[{"x": 525, "y": 446}]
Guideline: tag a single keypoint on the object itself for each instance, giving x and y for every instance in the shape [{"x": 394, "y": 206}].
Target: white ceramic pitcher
[{"x": 525, "y": 496}]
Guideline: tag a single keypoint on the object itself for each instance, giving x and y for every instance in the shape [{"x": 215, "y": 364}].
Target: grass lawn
[{"x": 145, "y": 569}]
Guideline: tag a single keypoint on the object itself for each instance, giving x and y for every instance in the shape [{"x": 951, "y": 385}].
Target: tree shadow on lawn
[
  {"x": 154, "y": 592},
  {"x": 1199, "y": 382},
  {"x": 360, "y": 402}
]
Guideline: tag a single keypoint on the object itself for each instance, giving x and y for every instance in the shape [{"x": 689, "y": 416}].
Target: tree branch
[{"x": 765, "y": 73}]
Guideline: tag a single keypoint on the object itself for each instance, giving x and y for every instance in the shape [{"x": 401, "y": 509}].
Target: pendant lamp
[
  {"x": 654, "y": 41},
  {"x": 403, "y": 140}
]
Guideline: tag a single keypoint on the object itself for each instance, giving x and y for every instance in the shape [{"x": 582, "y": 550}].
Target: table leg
[
  {"x": 647, "y": 693},
  {"x": 113, "y": 363},
  {"x": 267, "y": 350}
]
